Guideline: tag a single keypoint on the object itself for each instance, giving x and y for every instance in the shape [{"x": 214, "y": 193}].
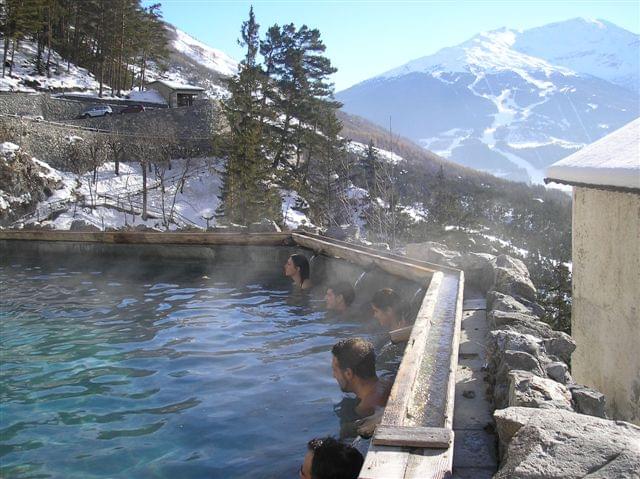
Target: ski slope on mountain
[{"x": 510, "y": 102}]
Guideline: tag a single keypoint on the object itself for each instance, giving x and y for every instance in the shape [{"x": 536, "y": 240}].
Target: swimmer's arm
[
  {"x": 364, "y": 409},
  {"x": 367, "y": 426},
  {"x": 400, "y": 335}
]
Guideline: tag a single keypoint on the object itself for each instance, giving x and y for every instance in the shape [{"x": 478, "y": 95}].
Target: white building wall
[{"x": 606, "y": 297}]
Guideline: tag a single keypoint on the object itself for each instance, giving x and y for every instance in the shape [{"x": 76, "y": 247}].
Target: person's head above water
[
  {"x": 297, "y": 268},
  {"x": 327, "y": 458},
  {"x": 339, "y": 296},
  {"x": 387, "y": 308},
  {"x": 354, "y": 360}
]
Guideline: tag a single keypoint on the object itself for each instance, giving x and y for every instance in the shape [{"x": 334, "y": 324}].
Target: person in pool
[
  {"x": 328, "y": 458},
  {"x": 297, "y": 268},
  {"x": 339, "y": 297},
  {"x": 354, "y": 368},
  {"x": 388, "y": 309}
]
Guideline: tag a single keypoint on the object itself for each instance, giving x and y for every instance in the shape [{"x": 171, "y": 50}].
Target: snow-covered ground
[
  {"x": 203, "y": 54},
  {"x": 190, "y": 196},
  {"x": 361, "y": 149},
  {"x": 24, "y": 71}
]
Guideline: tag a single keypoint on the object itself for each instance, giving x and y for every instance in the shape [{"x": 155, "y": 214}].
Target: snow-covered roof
[
  {"x": 612, "y": 161},
  {"x": 177, "y": 86}
]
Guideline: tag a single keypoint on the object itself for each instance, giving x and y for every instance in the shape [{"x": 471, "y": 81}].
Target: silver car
[{"x": 97, "y": 110}]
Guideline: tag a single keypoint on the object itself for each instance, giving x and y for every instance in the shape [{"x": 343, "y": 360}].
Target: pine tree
[{"x": 248, "y": 193}]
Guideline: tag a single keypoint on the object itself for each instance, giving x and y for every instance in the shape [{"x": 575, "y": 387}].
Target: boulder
[
  {"x": 553, "y": 443},
  {"x": 82, "y": 225},
  {"x": 530, "y": 390},
  {"x": 588, "y": 401},
  {"x": 433, "y": 253},
  {"x": 558, "y": 371},
  {"x": 264, "y": 226},
  {"x": 500, "y": 341},
  {"x": 556, "y": 343},
  {"x": 512, "y": 278},
  {"x": 502, "y": 302},
  {"x": 477, "y": 267}
]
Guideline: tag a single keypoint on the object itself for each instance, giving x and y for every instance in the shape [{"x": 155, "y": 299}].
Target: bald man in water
[{"x": 354, "y": 367}]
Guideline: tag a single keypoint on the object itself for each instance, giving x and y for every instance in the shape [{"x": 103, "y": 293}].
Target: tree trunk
[
  {"x": 13, "y": 51},
  {"x": 4, "y": 54},
  {"x": 144, "y": 190}
]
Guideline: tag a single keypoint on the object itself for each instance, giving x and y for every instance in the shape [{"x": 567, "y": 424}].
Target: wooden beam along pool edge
[
  {"x": 137, "y": 237},
  {"x": 394, "y": 266},
  {"x": 401, "y": 462}
]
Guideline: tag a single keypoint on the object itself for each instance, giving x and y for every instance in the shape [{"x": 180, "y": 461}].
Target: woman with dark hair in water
[{"x": 297, "y": 268}]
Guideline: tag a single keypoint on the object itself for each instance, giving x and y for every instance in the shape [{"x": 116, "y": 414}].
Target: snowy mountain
[{"x": 510, "y": 102}]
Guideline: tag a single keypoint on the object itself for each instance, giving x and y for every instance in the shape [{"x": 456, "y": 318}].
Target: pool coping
[{"x": 417, "y": 448}]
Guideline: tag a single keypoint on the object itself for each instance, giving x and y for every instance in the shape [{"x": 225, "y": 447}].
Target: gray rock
[
  {"x": 502, "y": 302},
  {"x": 81, "y": 225},
  {"x": 264, "y": 226},
  {"x": 512, "y": 278},
  {"x": 433, "y": 253},
  {"x": 556, "y": 343},
  {"x": 530, "y": 390},
  {"x": 500, "y": 341},
  {"x": 477, "y": 267},
  {"x": 588, "y": 401},
  {"x": 551, "y": 443},
  {"x": 558, "y": 371}
]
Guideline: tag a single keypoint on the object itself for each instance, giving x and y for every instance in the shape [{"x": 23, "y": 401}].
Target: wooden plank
[
  {"x": 136, "y": 237},
  {"x": 365, "y": 259},
  {"x": 413, "y": 436},
  {"x": 384, "y": 462},
  {"x": 453, "y": 362},
  {"x": 365, "y": 249},
  {"x": 400, "y": 335},
  {"x": 395, "y": 413}
]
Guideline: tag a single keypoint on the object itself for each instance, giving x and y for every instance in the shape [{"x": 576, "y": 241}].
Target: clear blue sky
[{"x": 365, "y": 38}]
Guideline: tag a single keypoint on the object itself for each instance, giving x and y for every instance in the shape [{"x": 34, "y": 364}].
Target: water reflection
[{"x": 159, "y": 370}]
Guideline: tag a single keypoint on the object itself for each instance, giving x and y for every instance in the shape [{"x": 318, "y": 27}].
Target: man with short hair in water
[
  {"x": 339, "y": 297},
  {"x": 327, "y": 458},
  {"x": 354, "y": 367}
]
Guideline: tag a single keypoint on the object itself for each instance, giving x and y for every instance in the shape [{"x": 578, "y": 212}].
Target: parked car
[
  {"x": 97, "y": 110},
  {"x": 132, "y": 109}
]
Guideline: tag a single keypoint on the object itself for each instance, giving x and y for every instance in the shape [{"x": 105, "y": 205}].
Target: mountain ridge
[{"x": 486, "y": 105}]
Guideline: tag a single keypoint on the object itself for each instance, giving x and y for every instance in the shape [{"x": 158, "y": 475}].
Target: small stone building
[
  {"x": 605, "y": 320},
  {"x": 176, "y": 94}
]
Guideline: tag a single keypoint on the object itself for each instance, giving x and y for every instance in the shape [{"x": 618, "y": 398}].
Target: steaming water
[{"x": 161, "y": 371}]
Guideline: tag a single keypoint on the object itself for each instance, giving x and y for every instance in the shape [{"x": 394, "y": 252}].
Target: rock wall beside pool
[{"x": 549, "y": 425}]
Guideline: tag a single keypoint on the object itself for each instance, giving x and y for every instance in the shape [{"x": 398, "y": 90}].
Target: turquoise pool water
[{"x": 159, "y": 370}]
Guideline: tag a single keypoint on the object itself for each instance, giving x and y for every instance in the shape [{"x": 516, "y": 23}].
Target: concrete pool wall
[{"x": 415, "y": 438}]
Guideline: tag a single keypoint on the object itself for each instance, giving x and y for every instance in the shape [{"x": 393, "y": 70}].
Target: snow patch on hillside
[
  {"x": 203, "y": 54},
  {"x": 25, "y": 78},
  {"x": 384, "y": 155}
]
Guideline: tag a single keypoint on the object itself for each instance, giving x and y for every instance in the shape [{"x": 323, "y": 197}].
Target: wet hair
[
  {"x": 344, "y": 289},
  {"x": 388, "y": 298},
  {"x": 334, "y": 460},
  {"x": 300, "y": 261},
  {"x": 356, "y": 354}
]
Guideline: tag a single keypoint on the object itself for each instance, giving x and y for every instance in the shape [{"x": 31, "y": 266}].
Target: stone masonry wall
[
  {"x": 544, "y": 419},
  {"x": 189, "y": 129}
]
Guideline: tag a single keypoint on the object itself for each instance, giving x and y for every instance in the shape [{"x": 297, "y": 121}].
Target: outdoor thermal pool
[{"x": 160, "y": 369}]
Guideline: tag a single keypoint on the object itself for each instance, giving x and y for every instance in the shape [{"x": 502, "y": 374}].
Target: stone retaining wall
[
  {"x": 527, "y": 365},
  {"x": 189, "y": 130}
]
